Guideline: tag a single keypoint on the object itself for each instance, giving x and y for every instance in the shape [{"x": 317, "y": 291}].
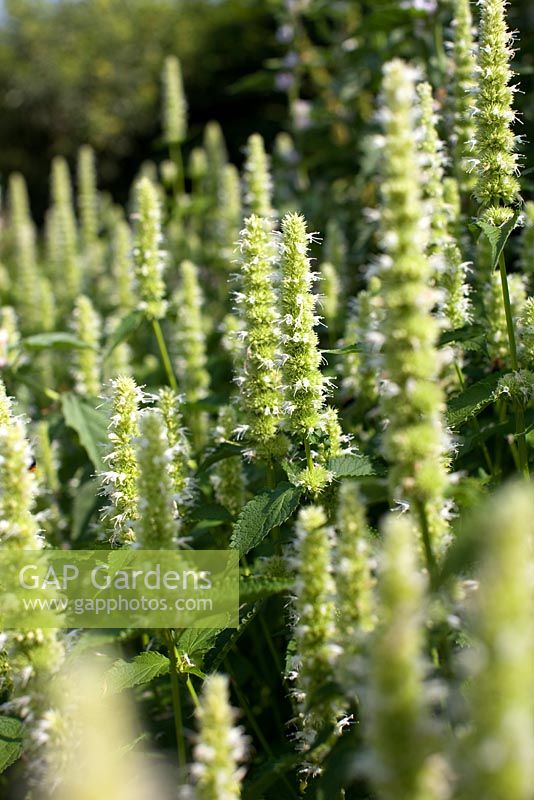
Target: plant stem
[
  {"x": 165, "y": 355},
  {"x": 427, "y": 544},
  {"x": 192, "y": 692},
  {"x": 309, "y": 459},
  {"x": 519, "y": 413},
  {"x": 177, "y": 708}
]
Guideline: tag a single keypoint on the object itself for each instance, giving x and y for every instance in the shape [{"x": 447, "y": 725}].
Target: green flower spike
[
  {"x": 304, "y": 382},
  {"x": 314, "y": 629},
  {"x": 330, "y": 297},
  {"x": 86, "y": 369},
  {"x": 9, "y": 335},
  {"x": 120, "y": 480},
  {"x": 18, "y": 525},
  {"x": 258, "y": 182},
  {"x": 190, "y": 337},
  {"x": 156, "y": 528},
  {"x": 496, "y": 754},
  {"x": 149, "y": 258},
  {"x": 259, "y": 378},
  {"x": 462, "y": 68},
  {"x": 494, "y": 159},
  {"x": 227, "y": 476},
  {"x": 87, "y": 196},
  {"x": 360, "y": 369},
  {"x": 221, "y": 747},
  {"x": 229, "y": 212},
  {"x": 403, "y": 764},
  {"x": 432, "y": 168},
  {"x": 412, "y": 402},
  {"x": 26, "y": 283},
  {"x": 184, "y": 491},
  {"x": 63, "y": 235},
  {"x": 122, "y": 267},
  {"x": 174, "y": 102}
]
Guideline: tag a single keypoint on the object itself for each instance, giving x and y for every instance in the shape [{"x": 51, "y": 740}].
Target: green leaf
[
  {"x": 261, "y": 587},
  {"x": 345, "y": 350},
  {"x": 221, "y": 452},
  {"x": 351, "y": 465},
  {"x": 90, "y": 425},
  {"x": 264, "y": 512},
  {"x": 11, "y": 733},
  {"x": 123, "y": 331},
  {"x": 143, "y": 669},
  {"x": 84, "y": 504},
  {"x": 195, "y": 643},
  {"x": 57, "y": 340},
  {"x": 498, "y": 236},
  {"x": 472, "y": 401}
]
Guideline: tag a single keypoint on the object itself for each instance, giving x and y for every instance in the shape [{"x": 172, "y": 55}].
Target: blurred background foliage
[{"x": 77, "y": 71}]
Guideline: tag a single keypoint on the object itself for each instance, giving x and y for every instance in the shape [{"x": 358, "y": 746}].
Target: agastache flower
[
  {"x": 314, "y": 626},
  {"x": 414, "y": 441},
  {"x": 62, "y": 235},
  {"x": 494, "y": 141},
  {"x": 259, "y": 379},
  {"x": 227, "y": 476},
  {"x": 122, "y": 267},
  {"x": 120, "y": 481},
  {"x": 190, "y": 337},
  {"x": 462, "y": 65},
  {"x": 149, "y": 258},
  {"x": 221, "y": 747},
  {"x": 257, "y": 179},
  {"x": 402, "y": 754},
  {"x": 27, "y": 284},
  {"x": 496, "y": 754},
  {"x": 156, "y": 527},
  {"x": 87, "y": 196},
  {"x": 170, "y": 404},
  {"x": 174, "y": 102},
  {"x": 86, "y": 369}
]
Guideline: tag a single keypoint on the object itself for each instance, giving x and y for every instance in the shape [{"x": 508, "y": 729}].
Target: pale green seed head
[
  {"x": 87, "y": 195},
  {"x": 190, "y": 337}
]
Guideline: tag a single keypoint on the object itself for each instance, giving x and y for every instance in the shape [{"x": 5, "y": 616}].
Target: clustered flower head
[
  {"x": 304, "y": 383},
  {"x": 169, "y": 403},
  {"x": 87, "y": 195},
  {"x": 120, "y": 481},
  {"x": 191, "y": 361},
  {"x": 432, "y": 169},
  {"x": 62, "y": 234},
  {"x": 412, "y": 402},
  {"x": 156, "y": 527},
  {"x": 229, "y": 211},
  {"x": 221, "y": 746},
  {"x": 496, "y": 759},
  {"x": 258, "y": 183},
  {"x": 28, "y": 281},
  {"x": 463, "y": 67},
  {"x": 149, "y": 258},
  {"x": 315, "y": 626},
  {"x": 494, "y": 145},
  {"x": 259, "y": 379},
  {"x": 398, "y": 730},
  {"x": 122, "y": 267},
  {"x": 86, "y": 368},
  {"x": 174, "y": 102}
]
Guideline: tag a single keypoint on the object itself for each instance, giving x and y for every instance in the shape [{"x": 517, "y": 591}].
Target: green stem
[
  {"x": 165, "y": 355},
  {"x": 476, "y": 423},
  {"x": 427, "y": 543},
  {"x": 519, "y": 413},
  {"x": 309, "y": 459},
  {"x": 177, "y": 707},
  {"x": 192, "y": 692}
]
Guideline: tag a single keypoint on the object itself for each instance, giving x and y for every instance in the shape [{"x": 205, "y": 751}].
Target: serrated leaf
[
  {"x": 195, "y": 643},
  {"x": 498, "y": 236},
  {"x": 261, "y": 587},
  {"x": 11, "y": 733},
  {"x": 472, "y": 401},
  {"x": 90, "y": 424},
  {"x": 123, "y": 331},
  {"x": 463, "y": 334},
  {"x": 263, "y": 513},
  {"x": 55, "y": 340},
  {"x": 127, "y": 674},
  {"x": 351, "y": 465},
  {"x": 229, "y": 637}
]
